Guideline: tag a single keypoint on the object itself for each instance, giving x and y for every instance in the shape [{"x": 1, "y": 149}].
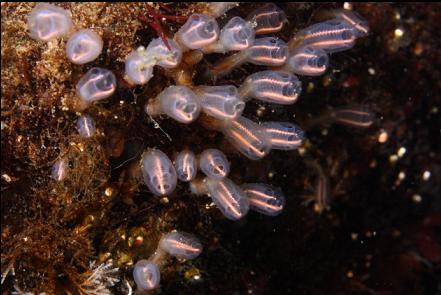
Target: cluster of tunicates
[
  {"x": 307, "y": 53},
  {"x": 146, "y": 272}
]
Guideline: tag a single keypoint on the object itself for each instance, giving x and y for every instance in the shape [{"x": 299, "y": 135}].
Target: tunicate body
[
  {"x": 139, "y": 66},
  {"x": 146, "y": 275},
  {"x": 228, "y": 198},
  {"x": 264, "y": 198},
  {"x": 180, "y": 103},
  {"x": 354, "y": 116},
  {"x": 279, "y": 87},
  {"x": 221, "y": 102},
  {"x": 332, "y": 35},
  {"x": 236, "y": 35},
  {"x": 181, "y": 245},
  {"x": 186, "y": 165},
  {"x": 284, "y": 135},
  {"x": 199, "y": 31},
  {"x": 84, "y": 46},
  {"x": 166, "y": 58},
  {"x": 308, "y": 61},
  {"x": 86, "y": 126},
  {"x": 357, "y": 22},
  {"x": 214, "y": 164},
  {"x": 47, "y": 22},
  {"x": 268, "y": 51},
  {"x": 96, "y": 84},
  {"x": 267, "y": 19},
  {"x": 158, "y": 172},
  {"x": 59, "y": 169},
  {"x": 248, "y": 137}
]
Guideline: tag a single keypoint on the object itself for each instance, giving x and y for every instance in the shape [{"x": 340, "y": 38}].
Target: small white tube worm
[
  {"x": 267, "y": 19},
  {"x": 279, "y": 87},
  {"x": 47, "y": 22},
  {"x": 84, "y": 46},
  {"x": 285, "y": 136},
  {"x": 214, "y": 164},
  {"x": 221, "y": 102},
  {"x": 178, "y": 102},
  {"x": 158, "y": 172},
  {"x": 199, "y": 31},
  {"x": 265, "y": 199},
  {"x": 186, "y": 165}
]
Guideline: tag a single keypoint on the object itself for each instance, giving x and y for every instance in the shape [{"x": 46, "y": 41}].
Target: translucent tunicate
[
  {"x": 59, "y": 169},
  {"x": 199, "y": 31},
  {"x": 139, "y": 66},
  {"x": 279, "y": 87},
  {"x": 158, "y": 172},
  {"x": 357, "y": 22},
  {"x": 221, "y": 102},
  {"x": 181, "y": 245},
  {"x": 165, "y": 58},
  {"x": 332, "y": 35},
  {"x": 214, "y": 163},
  {"x": 186, "y": 166},
  {"x": 236, "y": 35},
  {"x": 284, "y": 135},
  {"x": 267, "y": 19},
  {"x": 308, "y": 61},
  {"x": 47, "y": 22},
  {"x": 84, "y": 46},
  {"x": 268, "y": 51},
  {"x": 228, "y": 198},
  {"x": 86, "y": 126},
  {"x": 96, "y": 84},
  {"x": 146, "y": 275},
  {"x": 264, "y": 198},
  {"x": 248, "y": 137},
  {"x": 180, "y": 103},
  {"x": 354, "y": 116}
]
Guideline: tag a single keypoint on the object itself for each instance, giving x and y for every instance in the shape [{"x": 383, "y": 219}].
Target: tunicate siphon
[
  {"x": 308, "y": 61},
  {"x": 178, "y": 102},
  {"x": 264, "y": 198},
  {"x": 221, "y": 102},
  {"x": 186, "y": 165},
  {"x": 236, "y": 35},
  {"x": 228, "y": 197},
  {"x": 146, "y": 275},
  {"x": 284, "y": 135},
  {"x": 279, "y": 87},
  {"x": 267, "y": 19},
  {"x": 199, "y": 31},
  {"x": 181, "y": 245},
  {"x": 59, "y": 169},
  {"x": 214, "y": 164},
  {"x": 86, "y": 126},
  {"x": 248, "y": 137},
  {"x": 47, "y": 22},
  {"x": 158, "y": 172},
  {"x": 84, "y": 46},
  {"x": 96, "y": 84}
]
